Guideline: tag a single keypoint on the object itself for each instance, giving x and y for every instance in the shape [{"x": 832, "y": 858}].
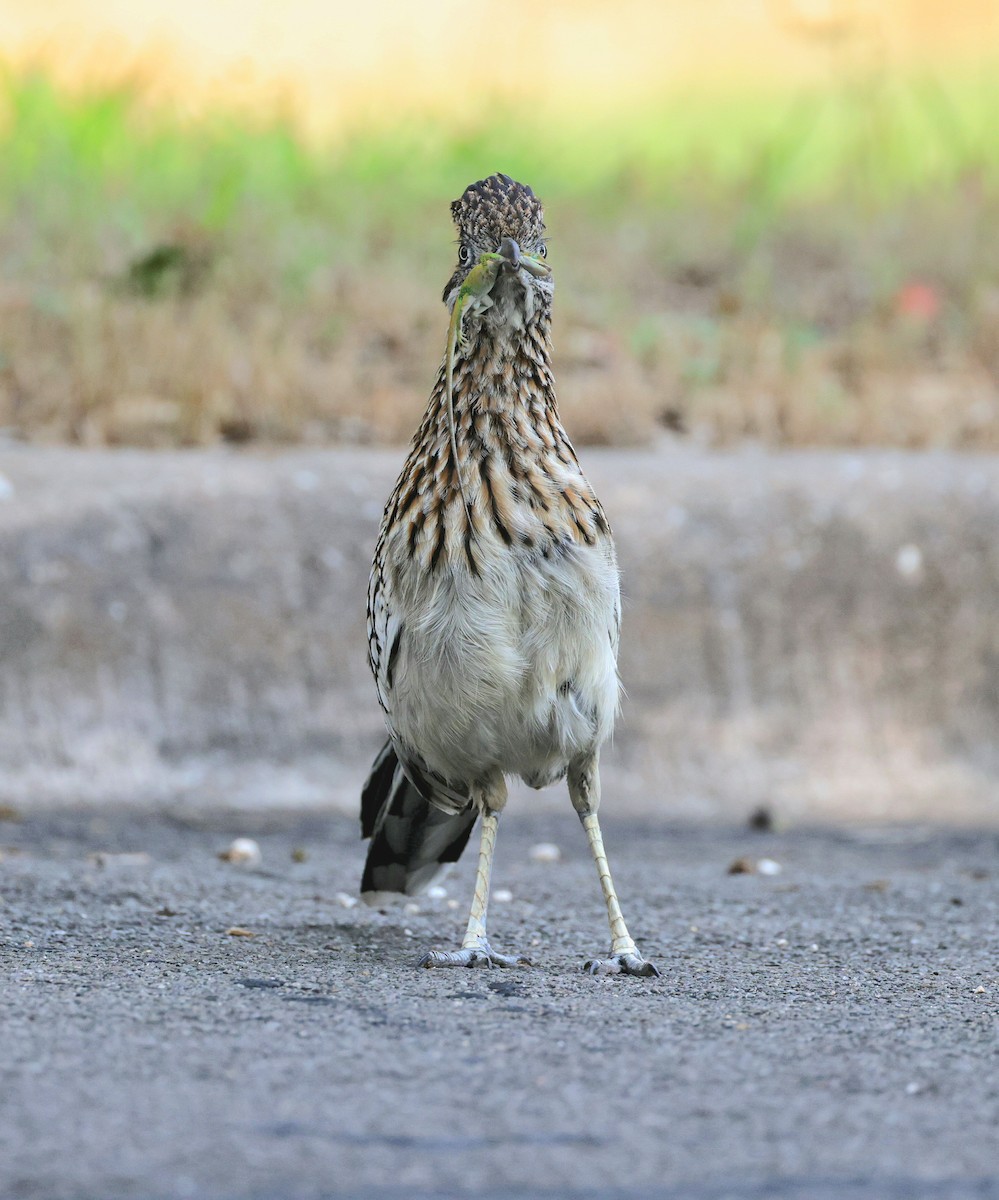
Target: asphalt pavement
[{"x": 174, "y": 1025}]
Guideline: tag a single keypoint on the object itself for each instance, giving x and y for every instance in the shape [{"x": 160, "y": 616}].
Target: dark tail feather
[{"x": 411, "y": 840}]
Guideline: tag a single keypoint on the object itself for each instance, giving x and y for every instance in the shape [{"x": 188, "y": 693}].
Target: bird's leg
[
  {"x": 584, "y": 791},
  {"x": 475, "y": 949}
]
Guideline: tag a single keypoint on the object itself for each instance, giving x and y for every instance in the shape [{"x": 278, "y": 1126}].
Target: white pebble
[
  {"x": 411, "y": 909},
  {"x": 502, "y": 895},
  {"x": 436, "y": 892},
  {"x": 242, "y": 850},
  {"x": 545, "y": 852},
  {"x": 909, "y": 561},
  {"x": 6, "y": 488},
  {"x": 767, "y": 866},
  {"x": 345, "y": 901}
]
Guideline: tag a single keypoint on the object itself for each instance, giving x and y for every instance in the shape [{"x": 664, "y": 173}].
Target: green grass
[
  {"x": 681, "y": 234},
  {"x": 107, "y": 155}
]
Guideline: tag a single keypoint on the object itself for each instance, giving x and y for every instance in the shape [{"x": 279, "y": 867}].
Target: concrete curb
[{"x": 815, "y": 631}]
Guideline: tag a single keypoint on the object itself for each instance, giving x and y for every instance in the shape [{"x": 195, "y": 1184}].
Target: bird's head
[{"x": 498, "y": 216}]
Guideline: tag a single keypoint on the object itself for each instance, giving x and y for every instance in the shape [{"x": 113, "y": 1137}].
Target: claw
[{"x": 620, "y": 964}]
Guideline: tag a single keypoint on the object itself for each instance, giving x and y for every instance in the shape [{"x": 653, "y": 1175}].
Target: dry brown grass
[
  {"x": 165, "y": 285},
  {"x": 813, "y": 356}
]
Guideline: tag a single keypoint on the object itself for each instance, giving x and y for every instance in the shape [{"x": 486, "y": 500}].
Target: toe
[
  {"x": 602, "y": 966},
  {"x": 468, "y": 956},
  {"x": 512, "y": 960},
  {"x": 433, "y": 958},
  {"x": 620, "y": 964}
]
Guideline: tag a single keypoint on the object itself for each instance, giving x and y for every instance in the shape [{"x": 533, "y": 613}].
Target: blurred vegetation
[{"x": 820, "y": 267}]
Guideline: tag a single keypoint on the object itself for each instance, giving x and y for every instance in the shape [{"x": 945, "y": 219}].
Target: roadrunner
[{"x": 493, "y": 607}]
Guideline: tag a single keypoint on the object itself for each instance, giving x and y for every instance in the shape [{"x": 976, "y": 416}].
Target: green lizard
[{"x": 473, "y": 297}]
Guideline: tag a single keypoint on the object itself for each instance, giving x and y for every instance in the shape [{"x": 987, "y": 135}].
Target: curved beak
[
  {"x": 509, "y": 250},
  {"x": 514, "y": 259}
]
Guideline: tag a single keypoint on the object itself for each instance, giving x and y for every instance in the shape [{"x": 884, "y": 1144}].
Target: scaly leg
[
  {"x": 475, "y": 949},
  {"x": 584, "y": 791}
]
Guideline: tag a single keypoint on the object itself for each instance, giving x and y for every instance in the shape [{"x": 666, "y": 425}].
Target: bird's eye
[
  {"x": 465, "y": 255},
  {"x": 542, "y": 250}
]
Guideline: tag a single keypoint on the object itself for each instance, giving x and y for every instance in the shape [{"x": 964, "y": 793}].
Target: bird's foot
[
  {"x": 481, "y": 955},
  {"x": 626, "y": 963}
]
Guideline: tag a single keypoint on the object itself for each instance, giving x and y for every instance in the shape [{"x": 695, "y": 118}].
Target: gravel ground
[{"x": 830, "y": 1030}]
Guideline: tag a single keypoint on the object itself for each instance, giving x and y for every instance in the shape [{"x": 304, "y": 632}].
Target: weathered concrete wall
[{"x": 817, "y": 631}]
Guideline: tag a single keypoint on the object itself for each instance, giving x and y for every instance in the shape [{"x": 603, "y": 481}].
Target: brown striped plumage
[{"x": 493, "y": 609}]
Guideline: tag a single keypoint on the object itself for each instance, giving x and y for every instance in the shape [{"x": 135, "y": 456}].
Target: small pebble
[
  {"x": 436, "y": 892},
  {"x": 502, "y": 895},
  {"x": 761, "y": 819},
  {"x": 909, "y": 561},
  {"x": 299, "y": 855},
  {"x": 239, "y": 931},
  {"x": 741, "y": 866},
  {"x": 242, "y": 850},
  {"x": 411, "y": 909},
  {"x": 345, "y": 901},
  {"x": 545, "y": 852},
  {"x": 767, "y": 866}
]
